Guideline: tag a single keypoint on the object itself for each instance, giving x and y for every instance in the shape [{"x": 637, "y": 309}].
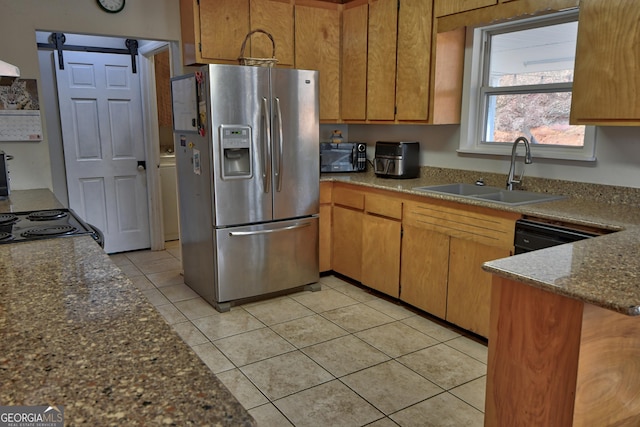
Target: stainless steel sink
[
  {"x": 518, "y": 197},
  {"x": 492, "y": 194},
  {"x": 459, "y": 189}
]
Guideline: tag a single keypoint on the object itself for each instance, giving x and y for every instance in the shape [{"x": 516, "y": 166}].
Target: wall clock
[{"x": 111, "y": 6}]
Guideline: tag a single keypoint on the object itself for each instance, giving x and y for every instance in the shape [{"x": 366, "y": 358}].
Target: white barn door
[{"x": 102, "y": 132}]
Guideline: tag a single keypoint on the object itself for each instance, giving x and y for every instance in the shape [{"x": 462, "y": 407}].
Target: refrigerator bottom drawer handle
[{"x": 276, "y": 230}]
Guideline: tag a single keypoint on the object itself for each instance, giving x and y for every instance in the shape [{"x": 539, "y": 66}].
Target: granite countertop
[
  {"x": 603, "y": 271},
  {"x": 76, "y": 332}
]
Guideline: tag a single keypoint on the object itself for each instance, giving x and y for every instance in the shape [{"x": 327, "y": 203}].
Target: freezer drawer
[{"x": 259, "y": 259}]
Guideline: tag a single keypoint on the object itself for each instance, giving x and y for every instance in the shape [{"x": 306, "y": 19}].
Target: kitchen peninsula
[{"x": 77, "y": 333}]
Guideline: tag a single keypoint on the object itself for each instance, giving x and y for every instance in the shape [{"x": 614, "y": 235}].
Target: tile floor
[{"x": 339, "y": 357}]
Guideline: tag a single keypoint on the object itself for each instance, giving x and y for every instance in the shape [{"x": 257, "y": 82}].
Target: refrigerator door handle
[
  {"x": 266, "y": 147},
  {"x": 280, "y": 145},
  {"x": 276, "y": 230}
]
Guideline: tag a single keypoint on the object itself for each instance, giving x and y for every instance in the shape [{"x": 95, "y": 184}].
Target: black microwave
[{"x": 343, "y": 157}]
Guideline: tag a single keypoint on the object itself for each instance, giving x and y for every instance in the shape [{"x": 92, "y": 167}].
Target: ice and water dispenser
[{"x": 235, "y": 144}]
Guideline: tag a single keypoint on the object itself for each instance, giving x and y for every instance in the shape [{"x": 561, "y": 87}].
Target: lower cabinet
[
  {"x": 469, "y": 286},
  {"x": 381, "y": 240},
  {"x": 427, "y": 254},
  {"x": 325, "y": 225},
  {"x": 425, "y": 266}
]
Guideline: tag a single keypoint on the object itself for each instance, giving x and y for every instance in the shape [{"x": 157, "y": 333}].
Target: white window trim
[{"x": 472, "y": 126}]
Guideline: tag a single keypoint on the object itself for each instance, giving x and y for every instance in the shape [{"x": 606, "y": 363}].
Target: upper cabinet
[
  {"x": 213, "y": 30},
  {"x": 606, "y": 83},
  {"x": 355, "y": 19},
  {"x": 317, "y": 47},
  {"x": 381, "y": 59}
]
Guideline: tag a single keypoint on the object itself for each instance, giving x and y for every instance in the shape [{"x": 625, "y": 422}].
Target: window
[{"x": 518, "y": 81}]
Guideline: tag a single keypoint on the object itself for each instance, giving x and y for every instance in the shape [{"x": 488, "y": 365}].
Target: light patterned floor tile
[
  {"x": 171, "y": 314},
  {"x": 253, "y": 346},
  {"x": 345, "y": 355},
  {"x": 391, "y": 386},
  {"x": 189, "y": 333},
  {"x": 443, "y": 410},
  {"x": 196, "y": 308},
  {"x": 356, "y": 293},
  {"x": 396, "y": 339},
  {"x": 384, "y": 422},
  {"x": 309, "y": 330},
  {"x": 155, "y": 297},
  {"x": 472, "y": 392},
  {"x": 356, "y": 318},
  {"x": 444, "y": 366},
  {"x": 212, "y": 357},
  {"x": 269, "y": 416},
  {"x": 331, "y": 404},
  {"x": 470, "y": 348},
  {"x": 278, "y": 310},
  {"x": 326, "y": 299},
  {"x": 166, "y": 278},
  {"x": 181, "y": 292},
  {"x": 141, "y": 257},
  {"x": 242, "y": 389},
  {"x": 159, "y": 266},
  {"x": 431, "y": 328},
  {"x": 227, "y": 324},
  {"x": 142, "y": 283},
  {"x": 332, "y": 281},
  {"x": 397, "y": 311},
  {"x": 285, "y": 374},
  {"x": 131, "y": 271}
]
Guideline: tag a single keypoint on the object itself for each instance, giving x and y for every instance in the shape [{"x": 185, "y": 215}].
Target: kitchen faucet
[{"x": 512, "y": 169}]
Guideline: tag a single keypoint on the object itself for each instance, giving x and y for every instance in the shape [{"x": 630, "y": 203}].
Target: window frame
[{"x": 475, "y": 96}]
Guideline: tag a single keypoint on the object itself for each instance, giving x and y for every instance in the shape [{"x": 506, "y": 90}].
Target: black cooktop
[{"x": 44, "y": 224}]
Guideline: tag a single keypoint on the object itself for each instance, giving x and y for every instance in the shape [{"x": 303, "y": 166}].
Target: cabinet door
[
  {"x": 223, "y": 26},
  {"x": 381, "y": 61},
  {"x": 317, "y": 47},
  {"x": 276, "y": 18},
  {"x": 381, "y": 254},
  {"x": 414, "y": 57},
  {"x": 326, "y": 189},
  {"x": 425, "y": 265},
  {"x": 354, "y": 62},
  {"x": 469, "y": 293},
  {"x": 606, "y": 84},
  {"x": 346, "y": 255},
  {"x": 325, "y": 238}
]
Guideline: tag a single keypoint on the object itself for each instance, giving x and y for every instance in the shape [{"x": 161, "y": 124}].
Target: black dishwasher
[{"x": 533, "y": 235}]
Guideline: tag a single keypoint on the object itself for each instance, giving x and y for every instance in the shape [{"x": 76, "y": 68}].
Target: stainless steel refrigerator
[{"x": 247, "y": 159}]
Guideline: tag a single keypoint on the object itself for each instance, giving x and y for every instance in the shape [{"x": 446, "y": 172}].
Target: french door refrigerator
[{"x": 247, "y": 159}]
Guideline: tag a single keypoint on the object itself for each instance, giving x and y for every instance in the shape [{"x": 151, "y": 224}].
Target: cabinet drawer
[
  {"x": 349, "y": 198},
  {"x": 493, "y": 230},
  {"x": 383, "y": 206}
]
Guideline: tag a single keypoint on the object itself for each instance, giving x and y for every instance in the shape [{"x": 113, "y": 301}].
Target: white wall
[
  {"x": 617, "y": 152},
  {"x": 19, "y": 21}
]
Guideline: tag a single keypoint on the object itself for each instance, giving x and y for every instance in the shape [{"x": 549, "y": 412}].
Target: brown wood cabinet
[
  {"x": 425, "y": 268},
  {"x": 450, "y": 7},
  {"x": 348, "y": 207},
  {"x": 276, "y": 18},
  {"x": 381, "y": 59},
  {"x": 317, "y": 47},
  {"x": 353, "y": 96},
  {"x": 213, "y": 30},
  {"x": 444, "y": 246},
  {"x": 381, "y": 238},
  {"x": 325, "y": 226},
  {"x": 606, "y": 84}
]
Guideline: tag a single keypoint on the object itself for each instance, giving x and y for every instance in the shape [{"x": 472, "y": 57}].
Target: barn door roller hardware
[{"x": 56, "y": 42}]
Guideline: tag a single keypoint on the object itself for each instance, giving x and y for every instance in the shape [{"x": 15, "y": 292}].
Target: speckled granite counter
[
  {"x": 76, "y": 332},
  {"x": 604, "y": 271},
  {"x": 29, "y": 200}
]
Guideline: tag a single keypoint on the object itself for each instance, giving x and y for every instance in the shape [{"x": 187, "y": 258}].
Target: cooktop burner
[
  {"x": 8, "y": 218},
  {"x": 46, "y": 215},
  {"x": 49, "y": 230},
  {"x": 45, "y": 224}
]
